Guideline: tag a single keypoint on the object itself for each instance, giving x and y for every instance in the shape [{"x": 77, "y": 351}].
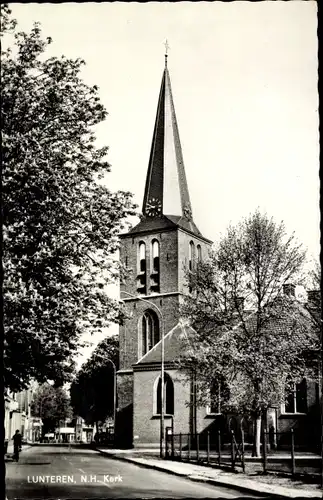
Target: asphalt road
[{"x": 80, "y": 473}]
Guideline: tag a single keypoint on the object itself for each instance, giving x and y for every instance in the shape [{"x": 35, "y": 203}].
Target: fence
[{"x": 279, "y": 453}]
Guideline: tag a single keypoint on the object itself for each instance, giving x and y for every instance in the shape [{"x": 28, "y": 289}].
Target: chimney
[
  {"x": 289, "y": 289},
  {"x": 314, "y": 299}
]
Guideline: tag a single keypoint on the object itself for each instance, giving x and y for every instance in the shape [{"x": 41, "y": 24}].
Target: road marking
[{"x": 105, "y": 484}]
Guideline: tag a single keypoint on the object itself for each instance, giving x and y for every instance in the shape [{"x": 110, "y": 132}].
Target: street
[{"x": 59, "y": 473}]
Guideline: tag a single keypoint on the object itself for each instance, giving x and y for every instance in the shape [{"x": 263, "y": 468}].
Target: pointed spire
[{"x": 166, "y": 191}]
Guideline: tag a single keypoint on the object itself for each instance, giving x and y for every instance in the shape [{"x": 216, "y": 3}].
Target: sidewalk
[
  {"x": 8, "y": 455},
  {"x": 214, "y": 476}
]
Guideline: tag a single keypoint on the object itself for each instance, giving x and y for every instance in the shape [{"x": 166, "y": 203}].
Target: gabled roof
[{"x": 175, "y": 342}]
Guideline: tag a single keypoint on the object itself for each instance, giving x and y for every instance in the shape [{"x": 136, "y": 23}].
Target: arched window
[
  {"x": 191, "y": 255},
  {"x": 142, "y": 256},
  {"x": 199, "y": 253},
  {"x": 142, "y": 267},
  {"x": 149, "y": 331},
  {"x": 169, "y": 395},
  {"x": 155, "y": 281}
]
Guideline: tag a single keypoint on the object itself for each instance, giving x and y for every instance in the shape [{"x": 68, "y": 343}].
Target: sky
[{"x": 244, "y": 82}]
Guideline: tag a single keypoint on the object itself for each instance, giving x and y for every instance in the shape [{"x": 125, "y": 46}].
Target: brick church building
[{"x": 157, "y": 252}]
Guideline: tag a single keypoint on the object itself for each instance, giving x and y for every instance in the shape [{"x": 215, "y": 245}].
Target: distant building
[
  {"x": 83, "y": 432},
  {"x": 18, "y": 415}
]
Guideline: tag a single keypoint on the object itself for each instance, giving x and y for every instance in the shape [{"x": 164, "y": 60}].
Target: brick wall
[
  {"x": 124, "y": 415},
  {"x": 174, "y": 254},
  {"x": 124, "y": 389},
  {"x": 130, "y": 332},
  {"x": 184, "y": 240},
  {"x": 146, "y": 425},
  {"x": 168, "y": 243}
]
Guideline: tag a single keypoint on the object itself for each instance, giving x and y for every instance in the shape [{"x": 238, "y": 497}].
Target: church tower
[{"x": 157, "y": 252}]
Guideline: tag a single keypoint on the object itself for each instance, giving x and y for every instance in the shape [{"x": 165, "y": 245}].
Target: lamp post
[
  {"x": 162, "y": 372},
  {"x": 114, "y": 395}
]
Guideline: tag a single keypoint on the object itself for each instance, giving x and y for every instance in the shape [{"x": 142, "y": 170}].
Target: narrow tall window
[
  {"x": 169, "y": 396},
  {"x": 214, "y": 406},
  {"x": 218, "y": 394},
  {"x": 149, "y": 330},
  {"x": 191, "y": 256},
  {"x": 199, "y": 253},
  {"x": 155, "y": 275},
  {"x": 142, "y": 267},
  {"x": 142, "y": 257}
]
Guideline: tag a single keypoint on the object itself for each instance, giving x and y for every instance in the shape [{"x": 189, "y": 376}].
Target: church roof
[
  {"x": 178, "y": 340},
  {"x": 166, "y": 194},
  {"x": 166, "y": 222},
  {"x": 175, "y": 342}
]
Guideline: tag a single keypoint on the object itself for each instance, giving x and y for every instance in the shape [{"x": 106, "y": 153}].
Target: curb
[{"x": 214, "y": 482}]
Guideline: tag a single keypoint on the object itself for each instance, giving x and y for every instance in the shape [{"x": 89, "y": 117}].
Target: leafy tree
[
  {"x": 92, "y": 392},
  {"x": 52, "y": 405},
  {"x": 60, "y": 222},
  {"x": 248, "y": 332}
]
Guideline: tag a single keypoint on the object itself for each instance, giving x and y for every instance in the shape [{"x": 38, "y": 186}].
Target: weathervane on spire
[{"x": 166, "y": 50}]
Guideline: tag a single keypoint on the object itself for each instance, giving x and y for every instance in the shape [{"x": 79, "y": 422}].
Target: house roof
[{"x": 285, "y": 314}]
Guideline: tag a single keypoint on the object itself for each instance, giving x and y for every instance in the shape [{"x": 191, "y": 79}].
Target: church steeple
[{"x": 166, "y": 191}]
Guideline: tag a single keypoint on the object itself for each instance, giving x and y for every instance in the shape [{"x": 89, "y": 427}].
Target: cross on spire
[{"x": 166, "y": 50}]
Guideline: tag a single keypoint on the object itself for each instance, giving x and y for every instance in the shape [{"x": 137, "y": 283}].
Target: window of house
[
  {"x": 149, "y": 331},
  {"x": 155, "y": 275},
  {"x": 142, "y": 268},
  {"x": 218, "y": 394},
  {"x": 214, "y": 406},
  {"x": 169, "y": 396},
  {"x": 296, "y": 400}
]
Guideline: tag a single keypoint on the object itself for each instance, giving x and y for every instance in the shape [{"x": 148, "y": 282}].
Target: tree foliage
[
  {"x": 52, "y": 405},
  {"x": 248, "y": 332},
  {"x": 60, "y": 222},
  {"x": 92, "y": 392}
]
